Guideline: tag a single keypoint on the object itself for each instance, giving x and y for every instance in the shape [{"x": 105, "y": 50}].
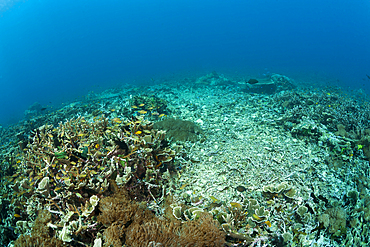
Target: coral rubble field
[{"x": 209, "y": 161}]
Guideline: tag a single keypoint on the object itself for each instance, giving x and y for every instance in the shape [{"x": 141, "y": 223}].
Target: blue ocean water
[{"x": 56, "y": 51}]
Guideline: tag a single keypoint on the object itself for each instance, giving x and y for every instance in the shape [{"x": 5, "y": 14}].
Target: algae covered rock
[
  {"x": 271, "y": 85},
  {"x": 213, "y": 79}
]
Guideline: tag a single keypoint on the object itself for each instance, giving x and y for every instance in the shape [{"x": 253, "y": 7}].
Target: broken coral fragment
[
  {"x": 177, "y": 212},
  {"x": 43, "y": 186},
  {"x": 302, "y": 210},
  {"x": 90, "y": 206},
  {"x": 65, "y": 234}
]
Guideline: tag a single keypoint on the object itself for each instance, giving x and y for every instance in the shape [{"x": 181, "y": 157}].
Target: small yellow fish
[
  {"x": 97, "y": 146},
  {"x": 78, "y": 195},
  {"x": 270, "y": 202},
  {"x": 81, "y": 134},
  {"x": 141, "y": 105},
  {"x": 214, "y": 199},
  {"x": 142, "y": 112},
  {"x": 268, "y": 223},
  {"x": 117, "y": 120},
  {"x": 18, "y": 161},
  {"x": 138, "y": 132},
  {"x": 53, "y": 165},
  {"x": 50, "y": 135},
  {"x": 162, "y": 115},
  {"x": 17, "y": 216},
  {"x": 183, "y": 186},
  {"x": 256, "y": 217},
  {"x": 236, "y": 205},
  {"x": 134, "y": 106},
  {"x": 73, "y": 163},
  {"x": 112, "y": 109}
]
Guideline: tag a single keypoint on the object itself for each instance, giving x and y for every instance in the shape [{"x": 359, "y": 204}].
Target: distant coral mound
[{"x": 179, "y": 130}]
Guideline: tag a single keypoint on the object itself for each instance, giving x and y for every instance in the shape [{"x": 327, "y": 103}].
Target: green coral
[{"x": 61, "y": 155}]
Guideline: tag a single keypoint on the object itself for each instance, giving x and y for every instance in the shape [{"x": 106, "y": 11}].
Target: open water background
[{"x": 53, "y": 52}]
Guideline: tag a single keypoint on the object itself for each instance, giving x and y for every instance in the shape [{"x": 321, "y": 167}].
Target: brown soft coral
[
  {"x": 201, "y": 232},
  {"x": 113, "y": 234},
  {"x": 116, "y": 208},
  {"x": 40, "y": 234},
  {"x": 116, "y": 211},
  {"x": 132, "y": 224}
]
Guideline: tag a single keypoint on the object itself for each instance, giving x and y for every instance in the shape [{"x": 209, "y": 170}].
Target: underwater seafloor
[{"x": 208, "y": 161}]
